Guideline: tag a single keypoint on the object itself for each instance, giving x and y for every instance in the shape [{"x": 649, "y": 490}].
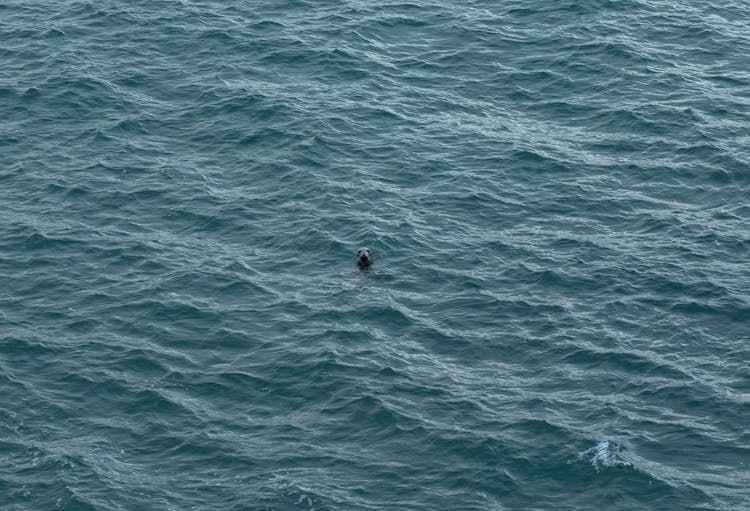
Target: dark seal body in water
[{"x": 364, "y": 257}]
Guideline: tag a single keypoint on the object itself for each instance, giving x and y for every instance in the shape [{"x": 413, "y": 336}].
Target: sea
[{"x": 556, "y": 195}]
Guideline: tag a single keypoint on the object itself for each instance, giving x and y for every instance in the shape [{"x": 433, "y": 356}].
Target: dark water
[{"x": 556, "y": 194}]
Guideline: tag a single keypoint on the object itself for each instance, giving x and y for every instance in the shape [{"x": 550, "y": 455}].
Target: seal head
[{"x": 364, "y": 257}]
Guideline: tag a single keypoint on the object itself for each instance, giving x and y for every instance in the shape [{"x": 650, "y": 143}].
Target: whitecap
[{"x": 605, "y": 454}]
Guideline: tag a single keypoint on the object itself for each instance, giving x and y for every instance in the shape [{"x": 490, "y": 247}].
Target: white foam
[{"x": 605, "y": 454}]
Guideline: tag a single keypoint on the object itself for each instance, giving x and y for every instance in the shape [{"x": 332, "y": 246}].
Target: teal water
[{"x": 556, "y": 196}]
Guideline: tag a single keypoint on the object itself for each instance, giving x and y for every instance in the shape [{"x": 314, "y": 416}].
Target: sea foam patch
[{"x": 605, "y": 454}]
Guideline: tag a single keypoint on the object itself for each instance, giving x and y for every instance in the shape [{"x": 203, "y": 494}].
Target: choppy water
[{"x": 556, "y": 194}]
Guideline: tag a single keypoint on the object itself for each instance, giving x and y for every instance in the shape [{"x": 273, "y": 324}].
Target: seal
[{"x": 364, "y": 257}]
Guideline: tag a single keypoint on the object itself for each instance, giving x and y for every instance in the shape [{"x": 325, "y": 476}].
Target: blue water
[{"x": 556, "y": 194}]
